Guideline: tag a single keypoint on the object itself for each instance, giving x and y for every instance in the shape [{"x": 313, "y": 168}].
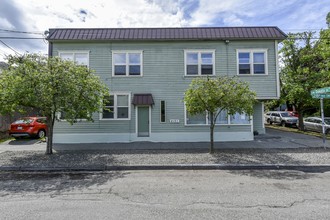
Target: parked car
[
  {"x": 315, "y": 124},
  {"x": 267, "y": 116},
  {"x": 293, "y": 113},
  {"x": 283, "y": 119},
  {"x": 28, "y": 127}
]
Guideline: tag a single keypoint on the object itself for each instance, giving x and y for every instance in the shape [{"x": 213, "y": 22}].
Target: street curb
[{"x": 304, "y": 168}]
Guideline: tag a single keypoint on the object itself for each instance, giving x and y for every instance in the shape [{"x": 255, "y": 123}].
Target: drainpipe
[
  {"x": 50, "y": 49},
  {"x": 227, "y": 60}
]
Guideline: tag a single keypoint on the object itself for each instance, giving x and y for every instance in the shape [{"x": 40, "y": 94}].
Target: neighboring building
[
  {"x": 3, "y": 65},
  {"x": 149, "y": 69}
]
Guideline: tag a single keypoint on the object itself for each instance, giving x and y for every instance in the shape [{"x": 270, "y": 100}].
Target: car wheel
[
  {"x": 283, "y": 123},
  {"x": 327, "y": 131},
  {"x": 268, "y": 121},
  {"x": 41, "y": 134}
]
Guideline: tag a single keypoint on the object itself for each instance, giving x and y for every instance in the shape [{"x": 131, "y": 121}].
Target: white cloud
[
  {"x": 5, "y": 23},
  {"x": 37, "y": 15}
]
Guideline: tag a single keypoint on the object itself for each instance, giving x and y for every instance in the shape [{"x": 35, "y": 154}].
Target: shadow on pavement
[
  {"x": 54, "y": 183},
  {"x": 24, "y": 141},
  {"x": 263, "y": 156},
  {"x": 70, "y": 159}
]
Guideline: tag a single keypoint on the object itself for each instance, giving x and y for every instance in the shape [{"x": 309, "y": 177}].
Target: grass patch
[
  {"x": 296, "y": 130},
  {"x": 6, "y": 139}
]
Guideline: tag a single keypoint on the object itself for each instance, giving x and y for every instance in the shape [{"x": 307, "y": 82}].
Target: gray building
[{"x": 149, "y": 69}]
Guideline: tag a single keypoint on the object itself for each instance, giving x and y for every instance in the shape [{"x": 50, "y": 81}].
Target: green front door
[{"x": 143, "y": 121}]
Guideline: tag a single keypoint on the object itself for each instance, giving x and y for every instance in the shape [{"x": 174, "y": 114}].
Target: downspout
[
  {"x": 50, "y": 49},
  {"x": 227, "y": 60}
]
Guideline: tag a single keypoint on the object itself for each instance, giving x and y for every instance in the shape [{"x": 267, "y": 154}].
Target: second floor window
[
  {"x": 252, "y": 62},
  {"x": 79, "y": 57},
  {"x": 127, "y": 63},
  {"x": 199, "y": 63}
]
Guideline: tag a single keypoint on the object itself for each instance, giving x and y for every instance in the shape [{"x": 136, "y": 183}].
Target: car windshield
[
  {"x": 23, "y": 121},
  {"x": 285, "y": 114},
  {"x": 327, "y": 121}
]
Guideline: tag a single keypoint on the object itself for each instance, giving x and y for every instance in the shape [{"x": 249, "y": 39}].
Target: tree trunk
[
  {"x": 211, "y": 133},
  {"x": 50, "y": 125},
  {"x": 301, "y": 121}
]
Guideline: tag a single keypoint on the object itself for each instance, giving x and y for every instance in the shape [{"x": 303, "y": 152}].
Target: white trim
[
  {"x": 115, "y": 94},
  {"x": 251, "y": 119},
  {"x": 199, "y": 62},
  {"x": 251, "y": 51},
  {"x": 126, "y": 52},
  {"x": 277, "y": 71},
  {"x": 263, "y": 112},
  {"x": 79, "y": 138},
  {"x": 73, "y": 53}
]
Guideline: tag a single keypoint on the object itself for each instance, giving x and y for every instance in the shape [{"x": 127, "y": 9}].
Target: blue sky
[{"x": 40, "y": 15}]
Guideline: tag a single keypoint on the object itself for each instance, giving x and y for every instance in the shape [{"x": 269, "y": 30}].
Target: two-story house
[{"x": 149, "y": 69}]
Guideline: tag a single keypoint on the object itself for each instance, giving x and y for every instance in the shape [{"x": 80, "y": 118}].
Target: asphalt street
[{"x": 165, "y": 195}]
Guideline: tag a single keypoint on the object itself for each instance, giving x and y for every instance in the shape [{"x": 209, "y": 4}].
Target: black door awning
[{"x": 143, "y": 99}]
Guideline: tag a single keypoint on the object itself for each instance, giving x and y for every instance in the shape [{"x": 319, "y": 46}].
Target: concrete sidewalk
[{"x": 274, "y": 150}]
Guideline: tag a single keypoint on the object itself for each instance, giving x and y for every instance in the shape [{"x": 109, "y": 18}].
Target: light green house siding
[{"x": 164, "y": 77}]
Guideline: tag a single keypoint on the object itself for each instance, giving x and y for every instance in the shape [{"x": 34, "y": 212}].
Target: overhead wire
[
  {"x": 17, "y": 53},
  {"x": 22, "y": 32}
]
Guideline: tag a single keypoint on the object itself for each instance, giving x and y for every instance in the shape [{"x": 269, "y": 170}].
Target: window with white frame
[
  {"x": 222, "y": 119},
  {"x": 79, "y": 57},
  {"x": 127, "y": 63},
  {"x": 199, "y": 63},
  {"x": 252, "y": 62},
  {"x": 117, "y": 106}
]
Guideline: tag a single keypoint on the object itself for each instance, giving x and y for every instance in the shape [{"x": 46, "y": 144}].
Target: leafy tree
[
  {"x": 50, "y": 85},
  {"x": 218, "y": 94},
  {"x": 304, "y": 69},
  {"x": 328, "y": 20}
]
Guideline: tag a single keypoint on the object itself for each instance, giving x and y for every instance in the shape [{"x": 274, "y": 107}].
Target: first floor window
[
  {"x": 117, "y": 106},
  {"x": 223, "y": 118},
  {"x": 252, "y": 62},
  {"x": 127, "y": 63},
  {"x": 238, "y": 118},
  {"x": 199, "y": 119}
]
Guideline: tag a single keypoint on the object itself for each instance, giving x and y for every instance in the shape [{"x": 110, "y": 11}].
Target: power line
[
  {"x": 26, "y": 38},
  {"x": 22, "y": 32},
  {"x": 10, "y": 47}
]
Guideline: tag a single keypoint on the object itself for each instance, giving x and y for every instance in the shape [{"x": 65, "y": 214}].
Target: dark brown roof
[
  {"x": 143, "y": 99},
  {"x": 147, "y": 34}
]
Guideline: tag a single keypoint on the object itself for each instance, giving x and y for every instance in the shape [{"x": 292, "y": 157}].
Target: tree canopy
[
  {"x": 213, "y": 95},
  {"x": 306, "y": 67},
  {"x": 50, "y": 85}
]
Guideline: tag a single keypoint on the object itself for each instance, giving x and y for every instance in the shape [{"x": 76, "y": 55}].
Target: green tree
[
  {"x": 304, "y": 69},
  {"x": 218, "y": 94},
  {"x": 50, "y": 85},
  {"x": 328, "y": 20}
]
